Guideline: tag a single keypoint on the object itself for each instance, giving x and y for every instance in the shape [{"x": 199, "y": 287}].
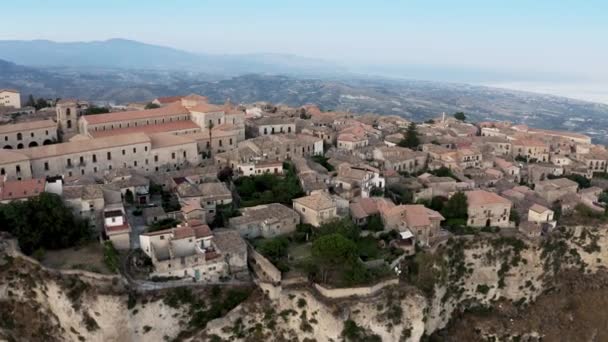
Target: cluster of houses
[{"x": 105, "y": 165}]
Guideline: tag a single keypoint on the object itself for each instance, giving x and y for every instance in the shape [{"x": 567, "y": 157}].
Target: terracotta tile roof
[
  {"x": 190, "y": 204},
  {"x": 169, "y": 110},
  {"x": 48, "y": 151},
  {"x": 9, "y": 91},
  {"x": 206, "y": 108},
  {"x": 414, "y": 215},
  {"x": 168, "y": 99},
  {"x": 529, "y": 143},
  {"x": 364, "y": 207},
  {"x": 28, "y": 125},
  {"x": 482, "y": 197},
  {"x": 160, "y": 140},
  {"x": 18, "y": 189},
  {"x": 64, "y": 101},
  {"x": 8, "y": 156},
  {"x": 167, "y": 127},
  {"x": 350, "y": 137},
  {"x": 183, "y": 233},
  {"x": 319, "y": 201},
  {"x": 202, "y": 231},
  {"x": 538, "y": 208}
]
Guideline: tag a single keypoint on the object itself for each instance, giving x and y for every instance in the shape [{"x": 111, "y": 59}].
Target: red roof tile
[
  {"x": 17, "y": 189},
  {"x": 169, "y": 110},
  {"x": 167, "y": 127}
]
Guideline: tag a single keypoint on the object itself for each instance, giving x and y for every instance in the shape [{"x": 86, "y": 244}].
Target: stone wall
[{"x": 262, "y": 267}]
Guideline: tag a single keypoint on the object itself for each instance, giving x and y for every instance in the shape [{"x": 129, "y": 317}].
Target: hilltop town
[{"x": 180, "y": 192}]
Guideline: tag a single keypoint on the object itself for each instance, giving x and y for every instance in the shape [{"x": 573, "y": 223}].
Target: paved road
[{"x": 138, "y": 226}]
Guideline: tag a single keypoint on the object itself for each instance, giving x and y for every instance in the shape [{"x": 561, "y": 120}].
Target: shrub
[
  {"x": 483, "y": 289},
  {"x": 110, "y": 257}
]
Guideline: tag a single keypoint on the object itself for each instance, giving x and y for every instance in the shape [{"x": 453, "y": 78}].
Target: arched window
[{"x": 19, "y": 136}]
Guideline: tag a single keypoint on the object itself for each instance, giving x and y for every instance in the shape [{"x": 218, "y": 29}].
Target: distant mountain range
[
  {"x": 123, "y": 71},
  {"x": 129, "y": 54}
]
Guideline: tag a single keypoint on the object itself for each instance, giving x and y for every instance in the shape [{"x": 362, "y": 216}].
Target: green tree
[
  {"x": 344, "y": 227},
  {"x": 375, "y": 224},
  {"x": 225, "y": 174},
  {"x": 151, "y": 105},
  {"x": 129, "y": 196},
  {"x": 411, "y": 139},
  {"x": 460, "y": 116},
  {"x": 31, "y": 102},
  {"x": 274, "y": 249},
  {"x": 442, "y": 172},
  {"x": 603, "y": 197},
  {"x": 514, "y": 217},
  {"x": 43, "y": 222},
  {"x": 97, "y": 110},
  {"x": 557, "y": 210},
  {"x": 456, "y": 207},
  {"x": 333, "y": 251},
  {"x": 437, "y": 203}
]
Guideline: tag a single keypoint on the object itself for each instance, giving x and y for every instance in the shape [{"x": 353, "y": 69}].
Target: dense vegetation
[
  {"x": 454, "y": 210},
  {"x": 338, "y": 250},
  {"x": 43, "y": 222},
  {"x": 269, "y": 188}
]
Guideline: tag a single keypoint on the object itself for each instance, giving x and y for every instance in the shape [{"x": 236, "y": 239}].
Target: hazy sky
[{"x": 557, "y": 36}]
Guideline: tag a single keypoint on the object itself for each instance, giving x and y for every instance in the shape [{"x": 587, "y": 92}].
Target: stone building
[
  {"x": 553, "y": 189},
  {"x": 68, "y": 112},
  {"x": 400, "y": 159},
  {"x": 192, "y": 251},
  {"x": 316, "y": 209},
  {"x": 421, "y": 221},
  {"x": 266, "y": 220},
  {"x": 10, "y": 98},
  {"x": 487, "y": 209},
  {"x": 539, "y": 214},
  {"x": 270, "y": 125},
  {"x": 140, "y": 152},
  {"x": 28, "y": 134}
]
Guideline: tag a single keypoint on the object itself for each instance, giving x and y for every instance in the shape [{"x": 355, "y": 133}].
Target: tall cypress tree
[{"x": 411, "y": 139}]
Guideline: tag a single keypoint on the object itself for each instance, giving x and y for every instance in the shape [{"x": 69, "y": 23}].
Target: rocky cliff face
[
  {"x": 472, "y": 274},
  {"x": 38, "y": 305}
]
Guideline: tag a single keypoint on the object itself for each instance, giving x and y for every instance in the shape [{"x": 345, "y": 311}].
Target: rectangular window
[
  {"x": 155, "y": 158},
  {"x": 81, "y": 159},
  {"x": 134, "y": 150},
  {"x": 46, "y": 166},
  {"x": 109, "y": 155},
  {"x": 94, "y": 159},
  {"x": 69, "y": 162},
  {"x": 124, "y": 152},
  {"x": 184, "y": 154},
  {"x": 173, "y": 155}
]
